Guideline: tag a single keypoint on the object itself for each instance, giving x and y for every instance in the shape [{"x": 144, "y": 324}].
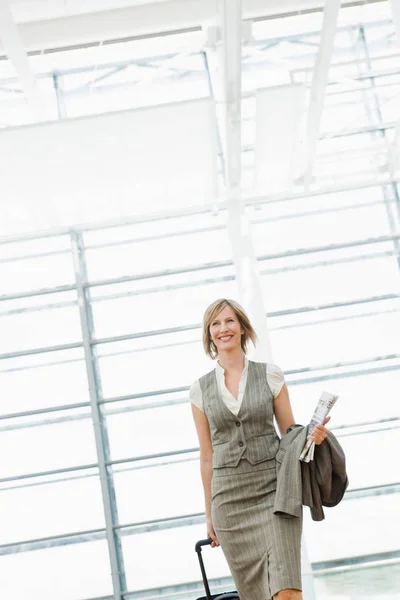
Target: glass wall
[
  {"x": 333, "y": 308},
  {"x": 101, "y": 332}
]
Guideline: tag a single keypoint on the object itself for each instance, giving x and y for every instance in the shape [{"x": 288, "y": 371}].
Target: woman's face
[{"x": 225, "y": 330}]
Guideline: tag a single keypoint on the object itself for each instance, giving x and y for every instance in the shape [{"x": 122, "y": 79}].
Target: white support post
[
  {"x": 229, "y": 54},
  {"x": 395, "y": 5},
  {"x": 13, "y": 47},
  {"x": 318, "y": 86},
  {"x": 394, "y": 151}
]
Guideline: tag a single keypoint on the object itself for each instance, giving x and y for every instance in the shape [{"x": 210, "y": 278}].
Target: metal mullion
[
  {"x": 229, "y": 263},
  {"x": 57, "y": 84},
  {"x": 40, "y": 411},
  {"x": 32, "y": 256},
  {"x": 355, "y": 562},
  {"x": 146, "y": 457},
  {"x": 164, "y": 273},
  {"x": 374, "y": 110},
  {"x": 29, "y": 352},
  {"x": 46, "y": 540},
  {"x": 254, "y": 221},
  {"x": 158, "y": 522},
  {"x": 193, "y": 327},
  {"x": 146, "y": 334},
  {"x": 250, "y": 200},
  {"x": 107, "y": 463},
  {"x": 369, "y": 431},
  {"x": 100, "y": 431},
  {"x": 158, "y": 236},
  {"x": 170, "y": 522},
  {"x": 39, "y": 292},
  {"x": 167, "y": 287},
  {"x": 48, "y": 473},
  {"x": 143, "y": 395},
  {"x": 346, "y": 375},
  {"x": 272, "y": 314},
  {"x": 328, "y": 263},
  {"x": 211, "y": 280},
  {"x": 225, "y": 278},
  {"x": 341, "y": 430}
]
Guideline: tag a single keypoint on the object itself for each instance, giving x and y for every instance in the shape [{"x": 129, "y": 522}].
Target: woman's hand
[
  {"x": 320, "y": 432},
  {"x": 211, "y": 534}
]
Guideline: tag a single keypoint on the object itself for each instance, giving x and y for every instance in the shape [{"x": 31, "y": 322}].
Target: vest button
[
  {"x": 241, "y": 444},
  {"x": 237, "y": 423}
]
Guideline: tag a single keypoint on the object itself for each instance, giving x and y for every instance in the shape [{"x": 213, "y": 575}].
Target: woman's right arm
[{"x": 206, "y": 452}]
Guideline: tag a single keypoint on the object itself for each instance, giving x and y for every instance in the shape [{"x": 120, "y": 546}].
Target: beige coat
[{"x": 321, "y": 482}]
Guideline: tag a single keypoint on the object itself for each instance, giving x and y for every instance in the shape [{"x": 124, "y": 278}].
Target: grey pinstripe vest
[{"x": 251, "y": 433}]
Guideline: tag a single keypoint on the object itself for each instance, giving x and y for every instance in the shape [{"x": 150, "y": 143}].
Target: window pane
[
  {"x": 322, "y": 343},
  {"x": 147, "y": 432},
  {"x": 180, "y": 482},
  {"x": 41, "y": 328},
  {"x": 362, "y": 398},
  {"x": 32, "y": 511},
  {"x": 364, "y": 463},
  {"x": 72, "y": 572},
  {"x": 172, "y": 550},
  {"x": 322, "y": 229},
  {"x": 51, "y": 446},
  {"x": 36, "y": 264},
  {"x": 374, "y": 521},
  {"x": 132, "y": 367},
  {"x": 157, "y": 310},
  {"x": 328, "y": 283},
  {"x": 32, "y": 382},
  {"x": 377, "y": 582},
  {"x": 142, "y": 257}
]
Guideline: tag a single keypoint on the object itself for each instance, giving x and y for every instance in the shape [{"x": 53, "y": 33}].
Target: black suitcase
[{"x": 208, "y": 596}]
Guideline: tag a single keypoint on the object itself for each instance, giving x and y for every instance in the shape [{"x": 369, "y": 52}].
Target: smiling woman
[
  {"x": 233, "y": 408},
  {"x": 226, "y": 323}
]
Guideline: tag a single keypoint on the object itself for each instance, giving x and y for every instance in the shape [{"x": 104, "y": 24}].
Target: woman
[{"x": 233, "y": 408}]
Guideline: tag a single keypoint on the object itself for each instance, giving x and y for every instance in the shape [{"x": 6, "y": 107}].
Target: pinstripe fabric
[
  {"x": 262, "y": 549},
  {"x": 251, "y": 433}
]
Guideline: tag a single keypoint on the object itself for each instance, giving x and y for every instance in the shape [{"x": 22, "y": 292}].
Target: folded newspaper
[{"x": 324, "y": 406}]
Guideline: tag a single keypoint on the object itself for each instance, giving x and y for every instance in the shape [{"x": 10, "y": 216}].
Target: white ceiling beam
[
  {"x": 55, "y": 30},
  {"x": 16, "y": 53},
  {"x": 318, "y": 86}
]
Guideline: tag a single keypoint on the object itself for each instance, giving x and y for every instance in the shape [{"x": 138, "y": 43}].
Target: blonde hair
[{"x": 210, "y": 314}]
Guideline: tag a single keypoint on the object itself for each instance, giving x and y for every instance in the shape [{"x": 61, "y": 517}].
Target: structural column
[
  {"x": 394, "y": 156},
  {"x": 239, "y": 227},
  {"x": 228, "y": 97},
  {"x": 318, "y": 86},
  {"x": 14, "y": 48},
  {"x": 100, "y": 431}
]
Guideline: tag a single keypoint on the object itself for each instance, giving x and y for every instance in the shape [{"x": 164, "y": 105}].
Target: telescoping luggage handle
[{"x": 198, "y": 547}]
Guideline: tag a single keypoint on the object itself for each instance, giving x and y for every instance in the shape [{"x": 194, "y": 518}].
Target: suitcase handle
[
  {"x": 198, "y": 546},
  {"x": 201, "y": 543}
]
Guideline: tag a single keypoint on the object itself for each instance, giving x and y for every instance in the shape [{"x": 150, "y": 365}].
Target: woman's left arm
[{"x": 284, "y": 417}]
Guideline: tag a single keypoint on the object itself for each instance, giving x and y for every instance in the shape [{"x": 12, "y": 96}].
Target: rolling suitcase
[{"x": 208, "y": 596}]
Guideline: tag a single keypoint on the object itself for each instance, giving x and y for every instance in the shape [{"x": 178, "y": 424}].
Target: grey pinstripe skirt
[{"x": 261, "y": 549}]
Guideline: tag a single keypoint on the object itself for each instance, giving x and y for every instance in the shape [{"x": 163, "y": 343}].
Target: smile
[{"x": 226, "y": 338}]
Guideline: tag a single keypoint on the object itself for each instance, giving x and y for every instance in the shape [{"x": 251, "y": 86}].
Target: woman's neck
[{"x": 232, "y": 361}]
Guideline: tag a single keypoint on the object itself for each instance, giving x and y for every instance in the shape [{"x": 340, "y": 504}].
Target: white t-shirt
[{"x": 275, "y": 378}]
